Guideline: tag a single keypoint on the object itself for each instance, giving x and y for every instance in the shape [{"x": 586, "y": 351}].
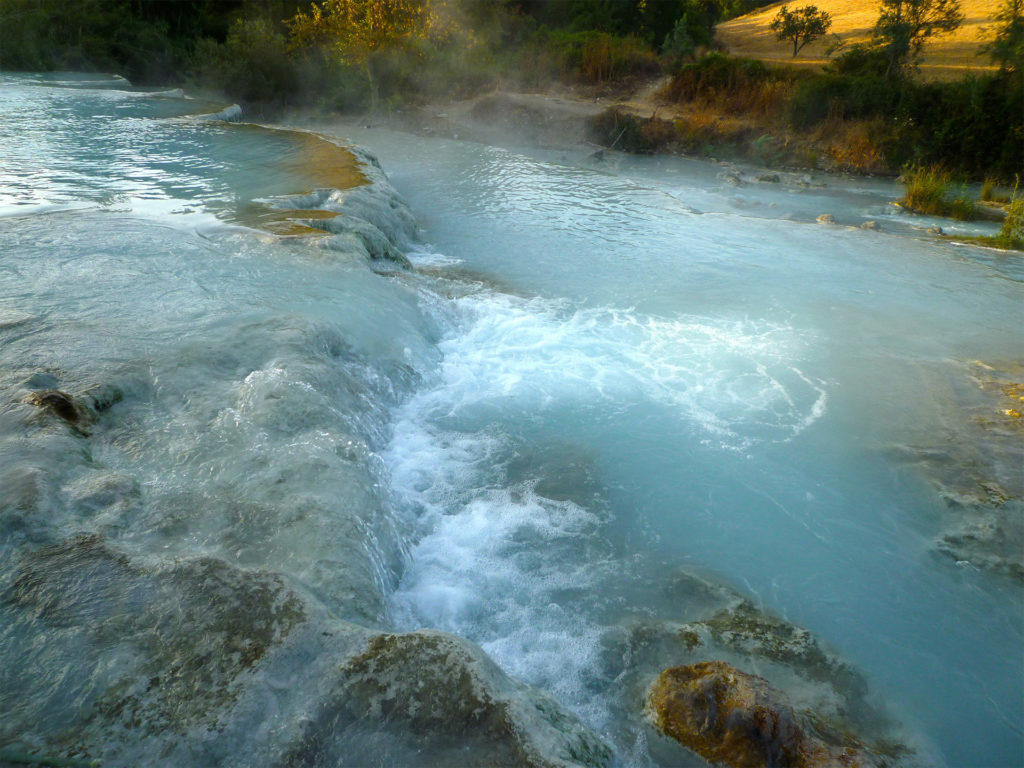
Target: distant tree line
[
  {"x": 154, "y": 40},
  {"x": 354, "y": 55},
  {"x": 147, "y": 40}
]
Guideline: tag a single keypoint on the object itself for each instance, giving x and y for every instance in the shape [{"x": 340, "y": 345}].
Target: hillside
[{"x": 945, "y": 57}]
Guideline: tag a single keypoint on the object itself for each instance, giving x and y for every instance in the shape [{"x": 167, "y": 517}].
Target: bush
[
  {"x": 589, "y": 57},
  {"x": 927, "y": 190},
  {"x": 860, "y": 59},
  {"x": 252, "y": 65},
  {"x": 990, "y": 191},
  {"x": 628, "y": 133},
  {"x": 735, "y": 85},
  {"x": 423, "y": 70},
  {"x": 845, "y": 97},
  {"x": 973, "y": 126},
  {"x": 1012, "y": 233}
]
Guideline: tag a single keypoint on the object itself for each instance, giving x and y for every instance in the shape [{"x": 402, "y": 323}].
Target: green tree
[
  {"x": 1007, "y": 49},
  {"x": 679, "y": 44},
  {"x": 801, "y": 26},
  {"x": 903, "y": 26},
  {"x": 358, "y": 29}
]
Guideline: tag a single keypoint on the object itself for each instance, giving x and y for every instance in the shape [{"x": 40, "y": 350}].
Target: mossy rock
[
  {"x": 188, "y": 633},
  {"x": 430, "y": 698},
  {"x": 753, "y": 633}
]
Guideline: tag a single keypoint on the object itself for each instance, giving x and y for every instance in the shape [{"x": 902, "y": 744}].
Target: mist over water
[{"x": 595, "y": 378}]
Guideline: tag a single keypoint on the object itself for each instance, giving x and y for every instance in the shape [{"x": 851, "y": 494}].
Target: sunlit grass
[{"x": 928, "y": 191}]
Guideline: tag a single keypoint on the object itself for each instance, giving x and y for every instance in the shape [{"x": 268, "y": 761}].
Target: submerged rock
[
  {"x": 13, "y": 318},
  {"x": 719, "y": 626},
  {"x": 972, "y": 453},
  {"x": 826, "y": 218},
  {"x": 60, "y": 404},
  {"x": 204, "y": 663},
  {"x": 872, "y": 225},
  {"x": 730, "y": 717},
  {"x": 755, "y": 634},
  {"x": 431, "y": 698}
]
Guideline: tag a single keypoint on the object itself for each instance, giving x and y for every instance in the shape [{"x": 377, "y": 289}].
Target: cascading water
[{"x": 599, "y": 419}]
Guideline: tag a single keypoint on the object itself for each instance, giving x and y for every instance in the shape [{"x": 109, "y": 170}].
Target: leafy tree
[
  {"x": 903, "y": 26},
  {"x": 679, "y": 44},
  {"x": 802, "y": 25},
  {"x": 357, "y": 29},
  {"x": 1007, "y": 49}
]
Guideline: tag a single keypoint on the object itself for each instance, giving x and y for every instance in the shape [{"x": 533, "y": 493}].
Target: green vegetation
[
  {"x": 903, "y": 26},
  {"x": 928, "y": 190},
  {"x": 732, "y": 85},
  {"x": 990, "y": 191},
  {"x": 1011, "y": 236},
  {"x": 1007, "y": 48},
  {"x": 358, "y": 55},
  {"x": 800, "y": 26}
]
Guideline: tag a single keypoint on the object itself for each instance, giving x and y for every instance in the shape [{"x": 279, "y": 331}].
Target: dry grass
[
  {"x": 851, "y": 146},
  {"x": 945, "y": 57}
]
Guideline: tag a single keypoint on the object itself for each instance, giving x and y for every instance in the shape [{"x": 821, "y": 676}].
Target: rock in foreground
[{"x": 727, "y": 716}]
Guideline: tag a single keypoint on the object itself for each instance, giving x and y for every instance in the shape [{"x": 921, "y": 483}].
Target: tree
[
  {"x": 357, "y": 29},
  {"x": 1007, "y": 49},
  {"x": 903, "y": 26},
  {"x": 679, "y": 43},
  {"x": 802, "y": 25}
]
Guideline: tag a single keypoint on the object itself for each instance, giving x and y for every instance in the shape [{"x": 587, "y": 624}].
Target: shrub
[
  {"x": 628, "y": 133},
  {"x": 860, "y": 59},
  {"x": 990, "y": 192},
  {"x": 927, "y": 190},
  {"x": 1012, "y": 233},
  {"x": 735, "y": 85},
  {"x": 589, "y": 57},
  {"x": 423, "y": 69},
  {"x": 845, "y": 97},
  {"x": 252, "y": 65}
]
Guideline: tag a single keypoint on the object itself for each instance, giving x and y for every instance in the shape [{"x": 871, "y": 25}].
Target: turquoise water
[{"x": 595, "y": 376}]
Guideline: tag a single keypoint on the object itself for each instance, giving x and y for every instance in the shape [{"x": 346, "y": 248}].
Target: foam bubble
[
  {"x": 734, "y": 380},
  {"x": 496, "y": 569},
  {"x": 493, "y": 559}
]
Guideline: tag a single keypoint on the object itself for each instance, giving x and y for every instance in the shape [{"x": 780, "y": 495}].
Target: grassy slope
[{"x": 945, "y": 57}]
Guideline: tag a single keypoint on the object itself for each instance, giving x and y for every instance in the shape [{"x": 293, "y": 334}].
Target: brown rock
[
  {"x": 60, "y": 403},
  {"x": 727, "y": 716}
]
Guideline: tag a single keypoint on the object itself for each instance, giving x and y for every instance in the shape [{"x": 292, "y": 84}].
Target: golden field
[{"x": 944, "y": 56}]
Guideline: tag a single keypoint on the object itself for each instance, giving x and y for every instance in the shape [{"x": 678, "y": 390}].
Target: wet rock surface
[
  {"x": 824, "y": 697},
  {"x": 974, "y": 459},
  {"x": 60, "y": 404},
  {"x": 430, "y": 698},
  {"x": 140, "y": 622},
  {"x": 182, "y": 658},
  {"x": 737, "y": 719}
]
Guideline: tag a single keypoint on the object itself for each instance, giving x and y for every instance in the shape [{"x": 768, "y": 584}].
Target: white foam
[
  {"x": 424, "y": 256},
  {"x": 736, "y": 381},
  {"x": 488, "y": 570},
  {"x": 493, "y": 560}
]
